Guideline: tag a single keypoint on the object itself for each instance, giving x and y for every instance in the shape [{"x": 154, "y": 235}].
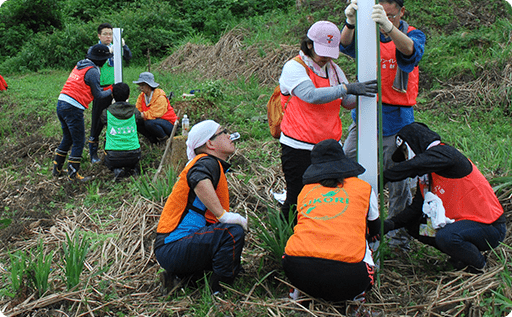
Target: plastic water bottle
[{"x": 185, "y": 125}]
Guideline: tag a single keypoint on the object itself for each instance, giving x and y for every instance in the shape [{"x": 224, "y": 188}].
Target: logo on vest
[{"x": 311, "y": 207}]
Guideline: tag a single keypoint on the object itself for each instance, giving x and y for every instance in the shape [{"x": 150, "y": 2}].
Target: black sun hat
[
  {"x": 98, "y": 52},
  {"x": 329, "y": 161}
]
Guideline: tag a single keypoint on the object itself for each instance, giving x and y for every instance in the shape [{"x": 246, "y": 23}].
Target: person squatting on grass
[
  {"x": 318, "y": 88},
  {"x": 473, "y": 215},
  {"x": 328, "y": 255},
  {"x": 196, "y": 231},
  {"x": 81, "y": 87},
  {"x": 401, "y": 50},
  {"x": 107, "y": 79},
  {"x": 122, "y": 147},
  {"x": 158, "y": 117}
]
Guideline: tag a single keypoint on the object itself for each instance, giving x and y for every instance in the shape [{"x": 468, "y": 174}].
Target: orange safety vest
[
  {"x": 177, "y": 203},
  {"x": 331, "y": 222},
  {"x": 312, "y": 123},
  {"x": 169, "y": 115},
  {"x": 76, "y": 88},
  {"x": 468, "y": 198},
  {"x": 389, "y": 67}
]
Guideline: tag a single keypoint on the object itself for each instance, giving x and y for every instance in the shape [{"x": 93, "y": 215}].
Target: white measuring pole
[
  {"x": 366, "y": 58},
  {"x": 118, "y": 55}
]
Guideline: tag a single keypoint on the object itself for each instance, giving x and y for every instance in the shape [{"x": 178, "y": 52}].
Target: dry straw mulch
[{"x": 231, "y": 59}]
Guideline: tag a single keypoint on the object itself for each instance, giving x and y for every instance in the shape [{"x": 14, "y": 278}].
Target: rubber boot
[
  {"x": 93, "y": 151},
  {"x": 73, "y": 168},
  {"x": 58, "y": 163}
]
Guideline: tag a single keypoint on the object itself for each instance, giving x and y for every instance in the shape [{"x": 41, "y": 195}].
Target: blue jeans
[
  {"x": 216, "y": 247},
  {"x": 73, "y": 129},
  {"x": 463, "y": 240}
]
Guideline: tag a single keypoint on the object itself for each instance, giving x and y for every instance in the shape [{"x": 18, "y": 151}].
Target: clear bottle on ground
[{"x": 185, "y": 125}]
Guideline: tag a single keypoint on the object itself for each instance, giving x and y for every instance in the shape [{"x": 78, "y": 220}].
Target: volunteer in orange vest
[
  {"x": 196, "y": 230},
  {"x": 401, "y": 50},
  {"x": 81, "y": 87},
  {"x": 318, "y": 88},
  {"x": 157, "y": 113},
  {"x": 473, "y": 217},
  {"x": 328, "y": 255}
]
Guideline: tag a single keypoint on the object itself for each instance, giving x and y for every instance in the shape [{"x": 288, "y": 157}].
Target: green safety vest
[
  {"x": 107, "y": 75},
  {"x": 121, "y": 134}
]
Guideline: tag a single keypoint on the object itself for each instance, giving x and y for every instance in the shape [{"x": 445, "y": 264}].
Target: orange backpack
[{"x": 275, "y": 110}]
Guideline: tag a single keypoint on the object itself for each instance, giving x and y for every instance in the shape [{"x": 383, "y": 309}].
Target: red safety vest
[
  {"x": 76, "y": 88},
  {"x": 331, "y": 222},
  {"x": 178, "y": 199},
  {"x": 312, "y": 123},
  {"x": 3, "y": 84},
  {"x": 389, "y": 67},
  {"x": 467, "y": 198}
]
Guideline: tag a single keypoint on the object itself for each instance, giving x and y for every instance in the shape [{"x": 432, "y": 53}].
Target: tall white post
[
  {"x": 367, "y": 63},
  {"x": 118, "y": 56}
]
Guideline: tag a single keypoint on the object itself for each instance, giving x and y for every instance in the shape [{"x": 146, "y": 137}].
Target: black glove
[
  {"x": 367, "y": 88},
  {"x": 388, "y": 225}
]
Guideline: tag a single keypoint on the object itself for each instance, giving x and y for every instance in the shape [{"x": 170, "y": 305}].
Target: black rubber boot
[
  {"x": 73, "y": 168},
  {"x": 58, "y": 163},
  {"x": 93, "y": 151}
]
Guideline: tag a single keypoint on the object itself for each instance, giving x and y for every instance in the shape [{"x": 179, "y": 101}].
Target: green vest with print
[{"x": 121, "y": 134}]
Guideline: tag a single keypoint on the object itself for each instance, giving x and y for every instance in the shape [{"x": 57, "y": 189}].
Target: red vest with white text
[
  {"x": 467, "y": 198},
  {"x": 389, "y": 67},
  {"x": 76, "y": 88},
  {"x": 312, "y": 123}
]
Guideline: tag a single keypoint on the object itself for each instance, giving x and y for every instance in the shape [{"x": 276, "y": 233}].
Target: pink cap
[{"x": 326, "y": 39}]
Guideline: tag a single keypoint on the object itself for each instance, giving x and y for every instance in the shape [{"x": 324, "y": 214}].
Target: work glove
[
  {"x": 350, "y": 12},
  {"x": 367, "y": 88},
  {"x": 232, "y": 217},
  {"x": 379, "y": 16},
  {"x": 122, "y": 42}
]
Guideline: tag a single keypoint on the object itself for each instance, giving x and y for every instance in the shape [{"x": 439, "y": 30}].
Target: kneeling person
[
  {"x": 196, "y": 231},
  {"x": 328, "y": 255},
  {"x": 122, "y": 148}
]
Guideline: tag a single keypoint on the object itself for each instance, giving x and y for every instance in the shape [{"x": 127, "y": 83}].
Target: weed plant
[
  {"x": 158, "y": 190},
  {"x": 274, "y": 232},
  {"x": 18, "y": 269},
  {"x": 40, "y": 269},
  {"x": 75, "y": 252}
]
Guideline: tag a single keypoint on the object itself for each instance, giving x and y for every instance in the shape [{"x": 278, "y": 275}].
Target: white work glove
[
  {"x": 232, "y": 217},
  {"x": 350, "y": 12},
  {"x": 111, "y": 49},
  {"x": 379, "y": 16},
  {"x": 122, "y": 42}
]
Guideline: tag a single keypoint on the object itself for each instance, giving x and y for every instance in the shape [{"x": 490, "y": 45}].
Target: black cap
[
  {"x": 328, "y": 161},
  {"x": 98, "y": 52}
]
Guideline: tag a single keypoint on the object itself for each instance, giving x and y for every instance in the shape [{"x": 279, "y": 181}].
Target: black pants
[
  {"x": 328, "y": 279},
  {"x": 122, "y": 159},
  {"x": 98, "y": 105},
  {"x": 294, "y": 163}
]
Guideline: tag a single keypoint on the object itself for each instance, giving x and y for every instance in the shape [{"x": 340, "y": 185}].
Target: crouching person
[
  {"x": 122, "y": 147},
  {"x": 468, "y": 218},
  {"x": 328, "y": 256},
  {"x": 196, "y": 232}
]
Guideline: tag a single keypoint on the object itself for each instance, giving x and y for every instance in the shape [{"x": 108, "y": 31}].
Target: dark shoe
[
  {"x": 118, "y": 174},
  {"x": 163, "y": 140},
  {"x": 168, "y": 282},
  {"x": 215, "y": 283},
  {"x": 93, "y": 151},
  {"x": 58, "y": 163},
  {"x": 73, "y": 168}
]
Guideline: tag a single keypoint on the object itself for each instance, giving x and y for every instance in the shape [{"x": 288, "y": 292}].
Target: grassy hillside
[{"x": 466, "y": 92}]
